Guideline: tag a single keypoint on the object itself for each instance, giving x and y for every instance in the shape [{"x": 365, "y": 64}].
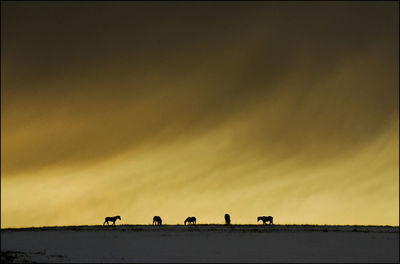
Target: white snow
[{"x": 205, "y": 243}]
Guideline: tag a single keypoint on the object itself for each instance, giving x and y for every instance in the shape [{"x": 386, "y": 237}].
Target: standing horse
[
  {"x": 190, "y": 220},
  {"x": 227, "y": 219},
  {"x": 265, "y": 219},
  {"x": 111, "y": 219},
  {"x": 157, "y": 220}
]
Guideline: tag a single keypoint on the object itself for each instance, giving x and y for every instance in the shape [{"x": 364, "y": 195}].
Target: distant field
[{"x": 202, "y": 243}]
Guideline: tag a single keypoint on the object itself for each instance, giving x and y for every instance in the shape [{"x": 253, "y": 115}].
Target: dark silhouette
[
  {"x": 265, "y": 219},
  {"x": 157, "y": 220},
  {"x": 227, "y": 219},
  {"x": 190, "y": 220},
  {"x": 112, "y": 219}
]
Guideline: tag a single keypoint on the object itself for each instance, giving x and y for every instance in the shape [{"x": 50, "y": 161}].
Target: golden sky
[{"x": 181, "y": 109}]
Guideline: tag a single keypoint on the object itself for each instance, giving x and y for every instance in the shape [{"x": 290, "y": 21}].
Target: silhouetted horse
[
  {"x": 112, "y": 219},
  {"x": 190, "y": 220},
  {"x": 227, "y": 219},
  {"x": 265, "y": 219},
  {"x": 157, "y": 220}
]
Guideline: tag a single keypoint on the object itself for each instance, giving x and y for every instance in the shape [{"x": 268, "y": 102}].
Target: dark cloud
[{"x": 83, "y": 82}]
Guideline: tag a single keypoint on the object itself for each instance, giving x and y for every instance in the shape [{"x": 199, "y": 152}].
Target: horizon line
[{"x": 205, "y": 224}]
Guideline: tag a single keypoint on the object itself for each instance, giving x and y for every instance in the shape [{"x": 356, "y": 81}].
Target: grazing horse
[
  {"x": 190, "y": 220},
  {"x": 265, "y": 219},
  {"x": 227, "y": 219},
  {"x": 112, "y": 219},
  {"x": 157, "y": 220}
]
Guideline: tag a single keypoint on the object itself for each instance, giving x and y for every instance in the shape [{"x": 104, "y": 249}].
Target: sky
[{"x": 179, "y": 109}]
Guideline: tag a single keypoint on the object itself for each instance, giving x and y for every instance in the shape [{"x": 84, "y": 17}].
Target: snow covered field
[{"x": 202, "y": 243}]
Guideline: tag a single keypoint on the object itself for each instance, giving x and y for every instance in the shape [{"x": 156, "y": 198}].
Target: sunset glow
[{"x": 187, "y": 108}]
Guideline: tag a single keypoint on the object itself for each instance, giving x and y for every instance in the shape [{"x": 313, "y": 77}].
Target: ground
[{"x": 201, "y": 243}]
